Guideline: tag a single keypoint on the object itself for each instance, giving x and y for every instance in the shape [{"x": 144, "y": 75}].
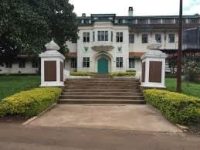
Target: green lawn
[
  {"x": 187, "y": 87},
  {"x": 13, "y": 84}
]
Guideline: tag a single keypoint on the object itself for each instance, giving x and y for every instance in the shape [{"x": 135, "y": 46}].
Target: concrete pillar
[
  {"x": 153, "y": 69},
  {"x": 52, "y": 66}
]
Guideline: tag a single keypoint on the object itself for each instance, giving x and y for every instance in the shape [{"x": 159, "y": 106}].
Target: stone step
[
  {"x": 103, "y": 93},
  {"x": 100, "y": 81},
  {"x": 101, "y": 90},
  {"x": 101, "y": 97},
  {"x": 100, "y": 101}
]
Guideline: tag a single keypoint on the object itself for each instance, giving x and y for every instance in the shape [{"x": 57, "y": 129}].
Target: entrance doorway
[{"x": 103, "y": 65}]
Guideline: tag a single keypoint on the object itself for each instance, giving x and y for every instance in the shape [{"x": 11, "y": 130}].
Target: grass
[
  {"x": 10, "y": 85},
  {"x": 188, "y": 88}
]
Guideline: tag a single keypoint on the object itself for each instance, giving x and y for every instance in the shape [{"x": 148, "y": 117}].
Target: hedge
[
  {"x": 178, "y": 108},
  {"x": 29, "y": 103},
  {"x": 122, "y": 74},
  {"x": 79, "y": 73}
]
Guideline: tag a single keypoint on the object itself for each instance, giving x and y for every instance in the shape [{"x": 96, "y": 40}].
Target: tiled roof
[
  {"x": 136, "y": 54},
  {"x": 71, "y": 54}
]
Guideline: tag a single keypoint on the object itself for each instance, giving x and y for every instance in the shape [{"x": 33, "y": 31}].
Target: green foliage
[
  {"x": 11, "y": 84},
  {"x": 123, "y": 74},
  {"x": 79, "y": 73},
  {"x": 178, "y": 108},
  {"x": 191, "y": 69},
  {"x": 29, "y": 103},
  {"x": 26, "y": 25}
]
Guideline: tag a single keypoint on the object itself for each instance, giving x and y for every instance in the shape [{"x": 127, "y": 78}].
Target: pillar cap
[
  {"x": 52, "y": 46},
  {"x": 154, "y": 54}
]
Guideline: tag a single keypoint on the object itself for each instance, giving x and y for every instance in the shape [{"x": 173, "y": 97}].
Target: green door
[{"x": 103, "y": 66}]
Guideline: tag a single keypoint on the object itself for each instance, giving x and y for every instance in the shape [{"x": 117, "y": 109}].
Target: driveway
[{"x": 120, "y": 117}]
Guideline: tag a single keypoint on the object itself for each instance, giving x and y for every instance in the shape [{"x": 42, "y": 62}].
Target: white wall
[
  {"x": 103, "y": 26},
  {"x": 138, "y": 46},
  {"x": 15, "y": 69}
]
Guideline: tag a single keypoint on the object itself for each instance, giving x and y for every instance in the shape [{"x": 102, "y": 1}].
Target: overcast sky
[{"x": 141, "y": 7}]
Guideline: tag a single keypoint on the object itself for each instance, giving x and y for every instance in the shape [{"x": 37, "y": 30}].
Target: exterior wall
[
  {"x": 138, "y": 46},
  {"x": 112, "y": 54},
  {"x": 15, "y": 69}
]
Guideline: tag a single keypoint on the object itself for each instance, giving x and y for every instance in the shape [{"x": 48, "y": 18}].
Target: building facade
[{"x": 110, "y": 43}]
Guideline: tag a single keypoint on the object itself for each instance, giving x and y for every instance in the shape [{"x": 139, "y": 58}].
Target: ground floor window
[
  {"x": 22, "y": 64},
  {"x": 119, "y": 62},
  {"x": 35, "y": 64},
  {"x": 131, "y": 62},
  {"x": 86, "y": 62},
  {"x": 8, "y": 65},
  {"x": 73, "y": 63}
]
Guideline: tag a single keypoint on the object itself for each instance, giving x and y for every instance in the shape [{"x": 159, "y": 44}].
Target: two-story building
[{"x": 111, "y": 43}]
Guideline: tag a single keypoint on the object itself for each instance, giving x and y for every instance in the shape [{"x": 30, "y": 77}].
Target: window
[
  {"x": 131, "y": 63},
  {"x": 158, "y": 38},
  {"x": 102, "y": 35},
  {"x": 171, "y": 38},
  {"x": 111, "y": 36},
  {"x": 73, "y": 63},
  {"x": 34, "y": 64},
  {"x": 119, "y": 37},
  {"x": 86, "y": 62},
  {"x": 86, "y": 36},
  {"x": 93, "y": 36},
  {"x": 131, "y": 38},
  {"x": 119, "y": 62},
  {"x": 144, "y": 38},
  {"x": 22, "y": 64},
  {"x": 8, "y": 65}
]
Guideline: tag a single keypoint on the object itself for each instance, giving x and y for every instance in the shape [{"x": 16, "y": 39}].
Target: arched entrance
[{"x": 102, "y": 65}]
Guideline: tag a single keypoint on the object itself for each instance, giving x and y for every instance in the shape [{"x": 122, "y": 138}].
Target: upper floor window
[
  {"x": 93, "y": 36},
  {"x": 155, "y": 21},
  {"x": 144, "y": 38},
  {"x": 131, "y": 38},
  {"x": 22, "y": 64},
  {"x": 8, "y": 65},
  {"x": 102, "y": 35},
  {"x": 86, "y": 62},
  {"x": 119, "y": 37},
  {"x": 119, "y": 62},
  {"x": 142, "y": 21},
  {"x": 158, "y": 38},
  {"x": 86, "y": 36},
  {"x": 168, "y": 21},
  {"x": 111, "y": 36},
  {"x": 171, "y": 38}
]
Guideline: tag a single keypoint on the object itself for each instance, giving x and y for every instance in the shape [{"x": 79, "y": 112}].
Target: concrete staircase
[{"x": 101, "y": 91}]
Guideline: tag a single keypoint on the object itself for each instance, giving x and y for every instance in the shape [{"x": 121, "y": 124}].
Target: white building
[{"x": 110, "y": 43}]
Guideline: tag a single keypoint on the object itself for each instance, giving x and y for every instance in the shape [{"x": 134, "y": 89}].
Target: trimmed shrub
[
  {"x": 82, "y": 73},
  {"x": 29, "y": 103},
  {"x": 178, "y": 108},
  {"x": 123, "y": 74}
]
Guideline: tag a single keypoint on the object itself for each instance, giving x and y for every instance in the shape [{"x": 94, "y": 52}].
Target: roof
[
  {"x": 71, "y": 54},
  {"x": 136, "y": 54}
]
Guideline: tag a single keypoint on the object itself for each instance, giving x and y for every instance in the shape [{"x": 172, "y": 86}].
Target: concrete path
[
  {"x": 53, "y": 138},
  {"x": 121, "y": 117}
]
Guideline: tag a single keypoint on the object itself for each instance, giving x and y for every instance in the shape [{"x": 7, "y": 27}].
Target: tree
[{"x": 26, "y": 25}]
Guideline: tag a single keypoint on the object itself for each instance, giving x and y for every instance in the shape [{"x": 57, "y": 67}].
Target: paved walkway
[
  {"x": 53, "y": 138},
  {"x": 122, "y": 117}
]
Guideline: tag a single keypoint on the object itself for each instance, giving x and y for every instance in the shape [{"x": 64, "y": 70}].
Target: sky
[{"x": 141, "y": 7}]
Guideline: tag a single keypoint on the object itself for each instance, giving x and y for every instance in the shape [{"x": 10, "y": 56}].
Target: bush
[
  {"x": 82, "y": 73},
  {"x": 29, "y": 103},
  {"x": 123, "y": 74},
  {"x": 178, "y": 108}
]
